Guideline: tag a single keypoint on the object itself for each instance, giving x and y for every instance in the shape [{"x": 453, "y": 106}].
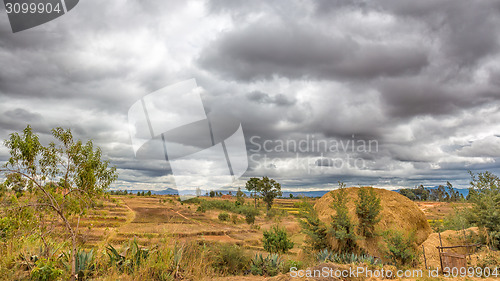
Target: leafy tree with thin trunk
[
  {"x": 252, "y": 186},
  {"x": 240, "y": 196},
  {"x": 64, "y": 178},
  {"x": 269, "y": 189},
  {"x": 367, "y": 210}
]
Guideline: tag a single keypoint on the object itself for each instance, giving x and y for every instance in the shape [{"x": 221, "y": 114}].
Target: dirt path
[{"x": 186, "y": 218}]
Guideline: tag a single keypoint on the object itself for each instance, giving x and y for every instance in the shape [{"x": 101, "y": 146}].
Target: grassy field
[{"x": 164, "y": 223}]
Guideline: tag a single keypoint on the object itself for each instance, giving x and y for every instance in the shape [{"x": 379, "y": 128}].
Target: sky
[{"x": 384, "y": 93}]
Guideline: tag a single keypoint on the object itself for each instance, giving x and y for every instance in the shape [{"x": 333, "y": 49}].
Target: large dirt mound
[{"x": 398, "y": 213}]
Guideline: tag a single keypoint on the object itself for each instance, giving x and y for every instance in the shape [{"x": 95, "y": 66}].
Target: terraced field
[{"x": 153, "y": 219}]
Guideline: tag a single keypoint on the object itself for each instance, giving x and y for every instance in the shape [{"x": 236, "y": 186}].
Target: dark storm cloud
[
  {"x": 263, "y": 98},
  {"x": 420, "y": 77},
  {"x": 419, "y": 96},
  {"x": 263, "y": 50},
  {"x": 465, "y": 27}
]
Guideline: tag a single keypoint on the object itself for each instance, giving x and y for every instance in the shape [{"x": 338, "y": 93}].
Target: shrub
[
  {"x": 223, "y": 216},
  {"x": 491, "y": 260},
  {"x": 268, "y": 266},
  {"x": 234, "y": 218},
  {"x": 250, "y": 218},
  {"x": 291, "y": 264},
  {"x": 230, "y": 259},
  {"x": 400, "y": 249},
  {"x": 45, "y": 270},
  {"x": 276, "y": 240},
  {"x": 201, "y": 209}
]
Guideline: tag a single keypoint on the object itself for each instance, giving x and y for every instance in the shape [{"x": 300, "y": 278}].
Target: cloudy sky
[{"x": 418, "y": 80}]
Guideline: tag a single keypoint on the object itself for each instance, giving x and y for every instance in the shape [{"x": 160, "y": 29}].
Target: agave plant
[
  {"x": 268, "y": 266},
  {"x": 345, "y": 258},
  {"x": 115, "y": 258},
  {"x": 84, "y": 263},
  {"x": 324, "y": 255},
  {"x": 131, "y": 259}
]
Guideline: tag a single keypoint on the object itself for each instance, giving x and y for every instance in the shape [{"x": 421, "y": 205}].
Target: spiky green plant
[
  {"x": 271, "y": 265},
  {"x": 345, "y": 258},
  {"x": 131, "y": 260}
]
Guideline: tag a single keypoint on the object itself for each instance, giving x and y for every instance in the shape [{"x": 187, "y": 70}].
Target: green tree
[
  {"x": 367, "y": 210},
  {"x": 315, "y": 230},
  {"x": 269, "y": 189},
  {"x": 148, "y": 193},
  {"x": 240, "y": 196},
  {"x": 64, "y": 177},
  {"x": 253, "y": 187},
  {"x": 484, "y": 193},
  {"x": 408, "y": 192},
  {"x": 452, "y": 194},
  {"x": 276, "y": 240},
  {"x": 342, "y": 229},
  {"x": 212, "y": 193}
]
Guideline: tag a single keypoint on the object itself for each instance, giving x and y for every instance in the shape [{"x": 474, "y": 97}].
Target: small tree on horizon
[
  {"x": 252, "y": 186},
  {"x": 240, "y": 196},
  {"x": 269, "y": 189}
]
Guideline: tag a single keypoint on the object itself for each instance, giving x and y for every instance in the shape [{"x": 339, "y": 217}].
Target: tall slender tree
[{"x": 253, "y": 187}]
